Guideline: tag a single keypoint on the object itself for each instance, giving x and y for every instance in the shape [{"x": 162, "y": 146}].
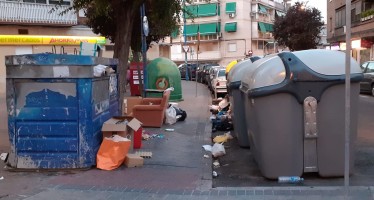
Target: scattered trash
[
  {"x": 169, "y": 129},
  {"x": 1, "y": 178},
  {"x": 229, "y": 136},
  {"x": 218, "y": 150},
  {"x": 224, "y": 165},
  {"x": 147, "y": 136},
  {"x": 290, "y": 179},
  {"x": 206, "y": 156},
  {"x": 161, "y": 136},
  {"x": 144, "y": 154},
  {"x": 3, "y": 156},
  {"x": 215, "y": 174},
  {"x": 223, "y": 138},
  {"x": 207, "y": 148},
  {"x": 216, "y": 163}
]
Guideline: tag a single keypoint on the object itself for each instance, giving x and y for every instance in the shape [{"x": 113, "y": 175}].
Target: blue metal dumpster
[{"x": 56, "y": 107}]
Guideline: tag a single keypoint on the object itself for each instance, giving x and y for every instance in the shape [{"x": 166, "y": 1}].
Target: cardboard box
[
  {"x": 118, "y": 125},
  {"x": 129, "y": 103},
  {"x": 133, "y": 160}
]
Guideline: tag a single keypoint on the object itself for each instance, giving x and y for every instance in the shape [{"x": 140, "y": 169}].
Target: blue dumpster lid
[
  {"x": 326, "y": 62},
  {"x": 48, "y": 59}
]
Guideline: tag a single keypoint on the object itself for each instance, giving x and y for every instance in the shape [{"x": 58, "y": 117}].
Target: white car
[{"x": 219, "y": 82}]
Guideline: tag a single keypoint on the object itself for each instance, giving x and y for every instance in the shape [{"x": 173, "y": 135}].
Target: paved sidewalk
[{"x": 177, "y": 170}]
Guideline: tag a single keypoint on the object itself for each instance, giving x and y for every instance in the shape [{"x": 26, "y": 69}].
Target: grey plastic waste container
[
  {"x": 236, "y": 101},
  {"x": 296, "y": 103}
]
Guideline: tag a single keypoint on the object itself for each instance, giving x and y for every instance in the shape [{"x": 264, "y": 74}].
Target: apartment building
[
  {"x": 362, "y": 30},
  {"x": 228, "y": 29}
]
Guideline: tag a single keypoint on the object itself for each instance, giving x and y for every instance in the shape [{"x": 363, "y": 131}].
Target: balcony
[
  {"x": 29, "y": 13},
  {"x": 203, "y": 56}
]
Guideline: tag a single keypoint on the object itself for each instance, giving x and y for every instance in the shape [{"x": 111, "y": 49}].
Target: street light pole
[
  {"x": 144, "y": 34},
  {"x": 185, "y": 38}
]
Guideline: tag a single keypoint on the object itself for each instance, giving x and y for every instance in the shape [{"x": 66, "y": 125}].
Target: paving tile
[
  {"x": 223, "y": 193},
  {"x": 232, "y": 193}
]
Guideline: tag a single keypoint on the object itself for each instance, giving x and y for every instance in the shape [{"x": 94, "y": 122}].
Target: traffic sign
[{"x": 186, "y": 48}]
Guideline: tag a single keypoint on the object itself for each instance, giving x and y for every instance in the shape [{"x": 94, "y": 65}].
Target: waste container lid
[
  {"x": 236, "y": 73},
  {"x": 328, "y": 62},
  {"x": 264, "y": 72}
]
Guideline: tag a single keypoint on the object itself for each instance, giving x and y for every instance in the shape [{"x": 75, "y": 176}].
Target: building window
[
  {"x": 35, "y": 1},
  {"x": 260, "y": 44},
  {"x": 64, "y": 2},
  {"x": 340, "y": 18},
  {"x": 23, "y": 31},
  {"x": 232, "y": 47}
]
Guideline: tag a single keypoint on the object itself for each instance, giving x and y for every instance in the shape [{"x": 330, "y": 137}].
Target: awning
[
  {"x": 191, "y": 11},
  {"x": 264, "y": 27},
  {"x": 269, "y": 27},
  {"x": 206, "y": 10},
  {"x": 231, "y": 7},
  {"x": 175, "y": 33},
  {"x": 279, "y": 13},
  {"x": 230, "y": 27},
  {"x": 191, "y": 30},
  {"x": 208, "y": 29},
  {"x": 262, "y": 8}
]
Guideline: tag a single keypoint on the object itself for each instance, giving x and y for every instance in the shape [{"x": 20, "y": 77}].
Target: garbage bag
[
  {"x": 112, "y": 152},
  {"x": 181, "y": 114},
  {"x": 170, "y": 115},
  {"x": 218, "y": 150}
]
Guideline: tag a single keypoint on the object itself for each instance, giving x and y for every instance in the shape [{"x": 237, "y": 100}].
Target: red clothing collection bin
[{"x": 134, "y": 78}]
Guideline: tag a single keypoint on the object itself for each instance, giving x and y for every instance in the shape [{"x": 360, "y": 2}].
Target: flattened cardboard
[
  {"x": 133, "y": 160},
  {"x": 134, "y": 124}
]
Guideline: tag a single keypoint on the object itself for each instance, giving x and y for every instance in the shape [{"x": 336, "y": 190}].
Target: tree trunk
[{"x": 122, "y": 42}]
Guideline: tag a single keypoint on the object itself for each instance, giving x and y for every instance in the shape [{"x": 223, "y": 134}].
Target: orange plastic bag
[{"x": 112, "y": 152}]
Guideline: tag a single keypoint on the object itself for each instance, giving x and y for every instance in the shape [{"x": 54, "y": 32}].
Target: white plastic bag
[
  {"x": 218, "y": 150},
  {"x": 99, "y": 70},
  {"x": 170, "y": 115}
]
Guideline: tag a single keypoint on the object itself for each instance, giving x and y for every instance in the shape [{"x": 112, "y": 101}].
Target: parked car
[
  {"x": 219, "y": 82},
  {"x": 212, "y": 74},
  {"x": 367, "y": 84},
  {"x": 191, "y": 70},
  {"x": 204, "y": 71}
]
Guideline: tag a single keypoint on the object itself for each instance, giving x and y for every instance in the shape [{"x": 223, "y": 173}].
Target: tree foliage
[
  {"x": 119, "y": 20},
  {"x": 299, "y": 29}
]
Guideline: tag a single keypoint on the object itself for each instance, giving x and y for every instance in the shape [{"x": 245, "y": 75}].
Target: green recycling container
[{"x": 163, "y": 73}]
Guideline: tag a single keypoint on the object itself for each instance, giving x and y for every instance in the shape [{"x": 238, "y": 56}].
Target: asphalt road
[{"x": 238, "y": 168}]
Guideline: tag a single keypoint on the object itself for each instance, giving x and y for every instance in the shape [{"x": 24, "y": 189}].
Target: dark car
[
  {"x": 205, "y": 72},
  {"x": 191, "y": 67},
  {"x": 367, "y": 84}
]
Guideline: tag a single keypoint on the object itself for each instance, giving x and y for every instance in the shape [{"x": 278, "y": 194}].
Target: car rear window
[{"x": 221, "y": 72}]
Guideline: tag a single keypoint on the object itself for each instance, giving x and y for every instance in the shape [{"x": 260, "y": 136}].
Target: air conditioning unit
[
  {"x": 253, "y": 14},
  {"x": 232, "y": 15}
]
